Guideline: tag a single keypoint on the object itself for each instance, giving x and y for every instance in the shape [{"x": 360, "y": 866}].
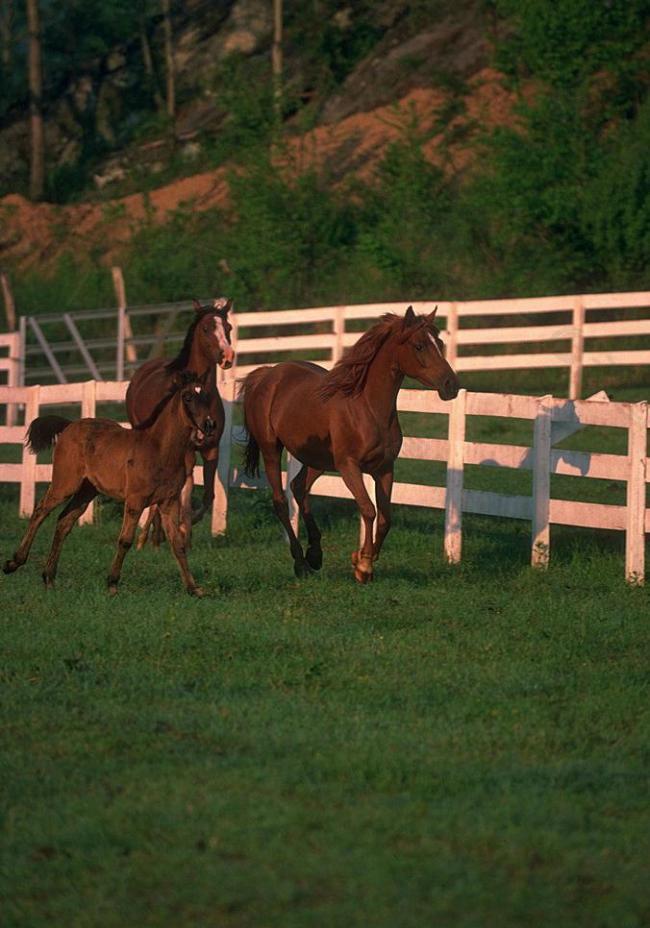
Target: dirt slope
[{"x": 40, "y": 233}]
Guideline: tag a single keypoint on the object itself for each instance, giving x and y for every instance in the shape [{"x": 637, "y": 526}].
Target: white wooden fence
[
  {"x": 553, "y": 420},
  {"x": 10, "y": 363},
  {"x": 460, "y": 339},
  {"x": 572, "y": 334}
]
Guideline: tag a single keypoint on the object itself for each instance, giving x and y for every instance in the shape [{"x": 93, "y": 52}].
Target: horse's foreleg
[
  {"x": 383, "y": 492},
  {"x": 210, "y": 462},
  {"x": 185, "y": 503},
  {"x": 300, "y": 486},
  {"x": 274, "y": 475},
  {"x": 50, "y": 501},
  {"x": 66, "y": 522},
  {"x": 132, "y": 511},
  {"x": 361, "y": 559},
  {"x": 170, "y": 515}
]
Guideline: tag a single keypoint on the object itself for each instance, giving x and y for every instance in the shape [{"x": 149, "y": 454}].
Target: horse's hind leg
[
  {"x": 132, "y": 512},
  {"x": 175, "y": 535},
  {"x": 50, "y": 501},
  {"x": 300, "y": 486},
  {"x": 272, "y": 456},
  {"x": 66, "y": 522}
]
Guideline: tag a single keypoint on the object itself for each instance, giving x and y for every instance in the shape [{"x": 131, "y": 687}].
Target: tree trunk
[
  {"x": 6, "y": 29},
  {"x": 37, "y": 166},
  {"x": 147, "y": 61},
  {"x": 276, "y": 57},
  {"x": 169, "y": 59}
]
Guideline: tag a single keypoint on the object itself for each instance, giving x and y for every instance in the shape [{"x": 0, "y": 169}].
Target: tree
[
  {"x": 6, "y": 36},
  {"x": 169, "y": 58},
  {"x": 276, "y": 57},
  {"x": 37, "y": 160}
]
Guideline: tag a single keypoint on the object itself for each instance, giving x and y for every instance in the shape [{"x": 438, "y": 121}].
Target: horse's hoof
[
  {"x": 112, "y": 589},
  {"x": 197, "y": 591},
  {"x": 48, "y": 581},
  {"x": 9, "y": 567},
  {"x": 314, "y": 557},
  {"x": 362, "y": 568},
  {"x": 302, "y": 569},
  {"x": 362, "y": 577}
]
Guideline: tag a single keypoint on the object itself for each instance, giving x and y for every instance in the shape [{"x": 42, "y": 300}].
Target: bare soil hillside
[{"x": 38, "y": 234}]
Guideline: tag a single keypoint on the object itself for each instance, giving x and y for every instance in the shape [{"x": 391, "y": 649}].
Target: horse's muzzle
[
  {"x": 227, "y": 359},
  {"x": 448, "y": 389}
]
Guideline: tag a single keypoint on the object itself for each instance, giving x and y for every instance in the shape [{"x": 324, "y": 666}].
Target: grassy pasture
[{"x": 451, "y": 746}]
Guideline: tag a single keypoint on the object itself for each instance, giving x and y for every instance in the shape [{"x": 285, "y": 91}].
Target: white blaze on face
[
  {"x": 220, "y": 332},
  {"x": 228, "y": 355},
  {"x": 435, "y": 344}
]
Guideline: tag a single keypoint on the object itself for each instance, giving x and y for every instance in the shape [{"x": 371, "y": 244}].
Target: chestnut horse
[
  {"x": 139, "y": 466},
  {"x": 206, "y": 345},
  {"x": 344, "y": 420}
]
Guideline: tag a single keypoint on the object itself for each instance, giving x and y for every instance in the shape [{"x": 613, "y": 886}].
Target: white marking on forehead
[
  {"x": 435, "y": 344},
  {"x": 197, "y": 389},
  {"x": 220, "y": 332}
]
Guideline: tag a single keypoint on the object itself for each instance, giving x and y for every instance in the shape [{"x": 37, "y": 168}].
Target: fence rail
[
  {"x": 553, "y": 419},
  {"x": 68, "y": 346}
]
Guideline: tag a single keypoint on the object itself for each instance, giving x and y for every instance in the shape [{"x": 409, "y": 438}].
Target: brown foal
[
  {"x": 344, "y": 420},
  {"x": 139, "y": 466},
  {"x": 206, "y": 345}
]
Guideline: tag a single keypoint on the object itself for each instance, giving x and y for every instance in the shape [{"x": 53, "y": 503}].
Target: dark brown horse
[
  {"x": 344, "y": 420},
  {"x": 207, "y": 344},
  {"x": 140, "y": 466}
]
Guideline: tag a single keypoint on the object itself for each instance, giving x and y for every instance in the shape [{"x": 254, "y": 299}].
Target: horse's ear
[
  {"x": 197, "y": 306},
  {"x": 432, "y": 315},
  {"x": 223, "y": 304},
  {"x": 409, "y": 318}
]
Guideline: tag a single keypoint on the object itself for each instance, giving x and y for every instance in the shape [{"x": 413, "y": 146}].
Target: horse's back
[{"x": 149, "y": 383}]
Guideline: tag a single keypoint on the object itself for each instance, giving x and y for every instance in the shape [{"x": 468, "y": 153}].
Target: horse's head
[
  {"x": 213, "y": 330},
  {"x": 195, "y": 405},
  {"x": 421, "y": 354}
]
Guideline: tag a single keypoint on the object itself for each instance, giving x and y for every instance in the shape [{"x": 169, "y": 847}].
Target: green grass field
[{"x": 448, "y": 746}]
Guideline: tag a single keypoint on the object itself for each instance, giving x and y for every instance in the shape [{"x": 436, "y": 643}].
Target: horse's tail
[
  {"x": 43, "y": 431},
  {"x": 252, "y": 456},
  {"x": 251, "y": 449}
]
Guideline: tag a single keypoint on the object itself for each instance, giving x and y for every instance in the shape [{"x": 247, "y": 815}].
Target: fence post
[
  {"x": 577, "y": 349},
  {"x": 339, "y": 332},
  {"x": 541, "y": 532},
  {"x": 13, "y": 376},
  {"x": 124, "y": 331},
  {"x": 455, "y": 477},
  {"x": 635, "y": 508},
  {"x": 451, "y": 347},
  {"x": 10, "y": 306},
  {"x": 28, "y": 472},
  {"x": 88, "y": 411},
  {"x": 22, "y": 329},
  {"x": 222, "y": 482}
]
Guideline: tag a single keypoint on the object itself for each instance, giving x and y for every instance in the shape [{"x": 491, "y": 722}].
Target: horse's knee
[{"x": 368, "y": 511}]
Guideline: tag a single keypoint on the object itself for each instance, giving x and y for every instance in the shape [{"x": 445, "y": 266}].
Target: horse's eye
[{"x": 419, "y": 347}]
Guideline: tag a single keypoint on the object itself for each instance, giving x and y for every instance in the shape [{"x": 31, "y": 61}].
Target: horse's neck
[
  {"x": 170, "y": 433},
  {"x": 383, "y": 383},
  {"x": 198, "y": 362}
]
